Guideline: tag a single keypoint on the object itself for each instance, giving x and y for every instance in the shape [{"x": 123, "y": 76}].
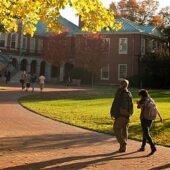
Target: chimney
[{"x": 80, "y": 23}]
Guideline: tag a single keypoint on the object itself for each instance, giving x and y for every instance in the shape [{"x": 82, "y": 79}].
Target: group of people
[
  {"x": 122, "y": 109},
  {"x": 28, "y": 80}
]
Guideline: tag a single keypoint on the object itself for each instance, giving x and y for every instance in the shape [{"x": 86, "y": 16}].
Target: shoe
[
  {"x": 153, "y": 150},
  {"x": 122, "y": 148},
  {"x": 141, "y": 149}
]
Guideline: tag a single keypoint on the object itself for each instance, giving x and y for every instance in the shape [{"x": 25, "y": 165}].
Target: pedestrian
[
  {"x": 7, "y": 76},
  {"x": 28, "y": 81},
  {"x": 33, "y": 80},
  {"x": 23, "y": 80},
  {"x": 147, "y": 116},
  {"x": 121, "y": 110},
  {"x": 42, "y": 81}
]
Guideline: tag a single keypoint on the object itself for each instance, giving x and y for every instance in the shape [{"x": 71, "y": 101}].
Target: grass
[
  {"x": 3, "y": 88},
  {"x": 90, "y": 109}
]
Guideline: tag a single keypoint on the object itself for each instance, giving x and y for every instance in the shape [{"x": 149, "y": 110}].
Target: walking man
[
  {"x": 121, "y": 110},
  {"x": 42, "y": 81}
]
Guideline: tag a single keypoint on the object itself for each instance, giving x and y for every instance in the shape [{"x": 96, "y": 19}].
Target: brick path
[{"x": 31, "y": 142}]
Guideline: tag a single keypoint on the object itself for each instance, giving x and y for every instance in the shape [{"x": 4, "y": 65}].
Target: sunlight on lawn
[
  {"x": 3, "y": 88},
  {"x": 90, "y": 109}
]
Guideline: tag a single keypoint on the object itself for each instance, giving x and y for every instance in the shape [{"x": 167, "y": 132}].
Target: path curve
[{"x": 31, "y": 142}]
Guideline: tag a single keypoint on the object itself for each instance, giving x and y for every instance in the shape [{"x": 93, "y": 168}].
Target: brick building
[
  {"x": 24, "y": 53},
  {"x": 125, "y": 49}
]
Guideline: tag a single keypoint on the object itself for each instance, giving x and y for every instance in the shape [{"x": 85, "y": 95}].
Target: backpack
[{"x": 150, "y": 110}]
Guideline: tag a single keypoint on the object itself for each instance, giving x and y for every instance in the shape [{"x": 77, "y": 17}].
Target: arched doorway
[
  {"x": 67, "y": 70},
  {"x": 33, "y": 67},
  {"x": 24, "y": 64},
  {"x": 42, "y": 68},
  {"x": 14, "y": 63},
  {"x": 55, "y": 71}
]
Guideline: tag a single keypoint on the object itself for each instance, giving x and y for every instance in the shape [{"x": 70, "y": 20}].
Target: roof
[
  {"x": 127, "y": 27},
  {"x": 133, "y": 27},
  {"x": 68, "y": 27}
]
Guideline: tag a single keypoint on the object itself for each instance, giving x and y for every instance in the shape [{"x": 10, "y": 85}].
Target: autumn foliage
[
  {"x": 28, "y": 12},
  {"x": 57, "y": 49},
  {"x": 142, "y": 12},
  {"x": 92, "y": 53}
]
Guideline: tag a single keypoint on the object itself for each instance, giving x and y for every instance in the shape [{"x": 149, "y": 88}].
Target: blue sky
[{"x": 69, "y": 13}]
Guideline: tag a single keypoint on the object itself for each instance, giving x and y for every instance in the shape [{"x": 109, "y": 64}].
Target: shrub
[{"x": 81, "y": 74}]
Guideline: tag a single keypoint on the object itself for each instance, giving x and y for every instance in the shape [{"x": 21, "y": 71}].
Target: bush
[
  {"x": 81, "y": 74},
  {"x": 147, "y": 81},
  {"x": 134, "y": 81}
]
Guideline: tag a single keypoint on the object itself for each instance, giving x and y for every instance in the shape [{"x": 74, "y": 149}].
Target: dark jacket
[{"x": 123, "y": 99}]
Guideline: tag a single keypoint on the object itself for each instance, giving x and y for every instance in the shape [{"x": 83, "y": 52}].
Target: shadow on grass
[
  {"x": 90, "y": 94},
  {"x": 72, "y": 95},
  {"x": 57, "y": 163}
]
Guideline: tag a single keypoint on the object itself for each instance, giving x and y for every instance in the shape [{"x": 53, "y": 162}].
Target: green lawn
[
  {"x": 90, "y": 109},
  {"x": 3, "y": 88}
]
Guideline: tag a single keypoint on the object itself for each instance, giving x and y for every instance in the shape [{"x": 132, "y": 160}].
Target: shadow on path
[
  {"x": 49, "y": 142},
  {"x": 167, "y": 166},
  {"x": 57, "y": 163}
]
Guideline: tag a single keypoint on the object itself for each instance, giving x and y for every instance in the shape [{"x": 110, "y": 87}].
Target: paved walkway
[{"x": 31, "y": 142}]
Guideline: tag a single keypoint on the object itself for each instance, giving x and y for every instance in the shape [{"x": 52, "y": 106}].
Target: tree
[
  {"x": 156, "y": 70},
  {"x": 92, "y": 53},
  {"x": 147, "y": 10},
  {"x": 129, "y": 9},
  {"x": 157, "y": 20},
  {"x": 165, "y": 13},
  {"x": 57, "y": 49},
  {"x": 138, "y": 11},
  {"x": 28, "y": 12}
]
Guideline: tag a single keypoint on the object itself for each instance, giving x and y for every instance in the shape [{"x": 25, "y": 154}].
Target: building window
[
  {"x": 14, "y": 41},
  {"x": 40, "y": 45},
  {"x": 106, "y": 45},
  {"x": 32, "y": 44},
  {"x": 122, "y": 71},
  {"x": 105, "y": 72},
  {"x": 143, "y": 46},
  {"x": 123, "y": 45},
  {"x": 24, "y": 43},
  {"x": 2, "y": 40}
]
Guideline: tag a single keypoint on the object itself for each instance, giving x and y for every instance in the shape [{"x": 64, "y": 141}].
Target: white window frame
[
  {"x": 40, "y": 45},
  {"x": 16, "y": 41},
  {"x": 119, "y": 66},
  {"x": 32, "y": 48},
  {"x": 143, "y": 46},
  {"x": 101, "y": 72},
  {"x": 24, "y": 37},
  {"x": 5, "y": 40},
  {"x": 120, "y": 51},
  {"x": 108, "y": 41}
]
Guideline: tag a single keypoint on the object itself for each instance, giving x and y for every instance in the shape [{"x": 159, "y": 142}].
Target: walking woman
[{"x": 147, "y": 116}]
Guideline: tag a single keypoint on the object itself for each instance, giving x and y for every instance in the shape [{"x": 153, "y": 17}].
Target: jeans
[{"x": 146, "y": 125}]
